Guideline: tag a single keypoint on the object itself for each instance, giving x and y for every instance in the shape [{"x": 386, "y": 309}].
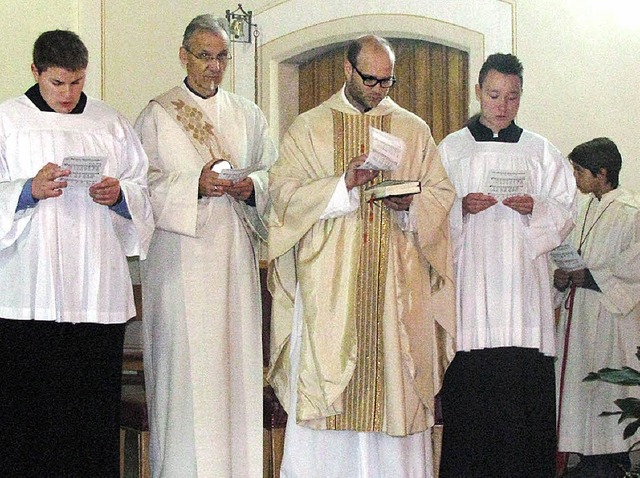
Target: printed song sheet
[
  {"x": 85, "y": 170},
  {"x": 236, "y": 175},
  {"x": 385, "y": 151},
  {"x": 567, "y": 258},
  {"x": 503, "y": 184}
]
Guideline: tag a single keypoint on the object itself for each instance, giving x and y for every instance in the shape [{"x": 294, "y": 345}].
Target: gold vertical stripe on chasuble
[{"x": 363, "y": 398}]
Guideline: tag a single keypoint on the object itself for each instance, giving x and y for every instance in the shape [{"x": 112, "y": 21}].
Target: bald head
[
  {"x": 367, "y": 67},
  {"x": 368, "y": 45}
]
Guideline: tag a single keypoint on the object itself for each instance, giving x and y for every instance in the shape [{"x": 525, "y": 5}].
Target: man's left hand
[
  {"x": 106, "y": 192},
  {"x": 398, "y": 203},
  {"x": 521, "y": 204},
  {"x": 578, "y": 277},
  {"x": 240, "y": 190}
]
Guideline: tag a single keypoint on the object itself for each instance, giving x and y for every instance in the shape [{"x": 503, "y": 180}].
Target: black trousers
[
  {"x": 59, "y": 399},
  {"x": 498, "y": 408}
]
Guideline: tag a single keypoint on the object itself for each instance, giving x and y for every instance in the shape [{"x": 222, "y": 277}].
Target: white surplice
[
  {"x": 201, "y": 299},
  {"x": 64, "y": 259},
  {"x": 503, "y": 295},
  {"x": 605, "y": 326}
]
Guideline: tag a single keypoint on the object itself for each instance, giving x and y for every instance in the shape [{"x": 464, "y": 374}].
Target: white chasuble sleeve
[
  {"x": 12, "y": 223},
  {"x": 174, "y": 171},
  {"x": 554, "y": 207},
  {"x": 616, "y": 272},
  {"x": 342, "y": 201},
  {"x": 263, "y": 155},
  {"x": 134, "y": 234},
  {"x": 301, "y": 186}
]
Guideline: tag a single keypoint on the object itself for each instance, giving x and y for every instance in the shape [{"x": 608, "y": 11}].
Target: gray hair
[{"x": 206, "y": 22}]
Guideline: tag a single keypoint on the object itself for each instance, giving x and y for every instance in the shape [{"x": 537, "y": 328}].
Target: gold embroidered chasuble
[{"x": 378, "y": 311}]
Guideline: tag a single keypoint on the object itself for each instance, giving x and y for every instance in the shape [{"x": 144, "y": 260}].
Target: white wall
[
  {"x": 21, "y": 22},
  {"x": 582, "y": 68}
]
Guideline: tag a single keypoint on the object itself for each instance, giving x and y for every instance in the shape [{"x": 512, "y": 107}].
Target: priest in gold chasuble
[{"x": 363, "y": 319}]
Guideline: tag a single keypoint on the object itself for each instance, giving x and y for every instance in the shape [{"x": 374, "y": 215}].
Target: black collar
[
  {"x": 36, "y": 98},
  {"x": 196, "y": 93},
  {"x": 510, "y": 134}
]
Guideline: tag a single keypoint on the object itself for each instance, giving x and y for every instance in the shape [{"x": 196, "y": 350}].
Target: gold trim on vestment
[
  {"x": 363, "y": 398},
  {"x": 193, "y": 121}
]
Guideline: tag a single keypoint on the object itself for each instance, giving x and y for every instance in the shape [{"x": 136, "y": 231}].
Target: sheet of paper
[
  {"x": 385, "y": 151},
  {"x": 85, "y": 170},
  {"x": 505, "y": 183},
  {"x": 567, "y": 258},
  {"x": 236, "y": 175}
]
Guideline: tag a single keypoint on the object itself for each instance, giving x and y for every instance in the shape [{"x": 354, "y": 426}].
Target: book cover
[{"x": 392, "y": 187}]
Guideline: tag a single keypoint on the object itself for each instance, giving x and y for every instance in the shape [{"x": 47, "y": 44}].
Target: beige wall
[
  {"x": 21, "y": 22},
  {"x": 582, "y": 64},
  {"x": 581, "y": 56}
]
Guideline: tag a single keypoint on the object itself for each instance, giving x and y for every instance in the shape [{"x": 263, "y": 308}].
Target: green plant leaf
[
  {"x": 630, "y": 407},
  {"x": 623, "y": 376},
  {"x": 630, "y": 429}
]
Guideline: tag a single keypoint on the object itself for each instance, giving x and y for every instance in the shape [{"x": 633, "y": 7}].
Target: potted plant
[{"x": 629, "y": 407}]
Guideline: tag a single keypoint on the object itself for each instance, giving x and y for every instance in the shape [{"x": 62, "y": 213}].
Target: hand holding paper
[
  {"x": 567, "y": 258},
  {"x": 240, "y": 190},
  {"x": 49, "y": 181},
  {"x": 355, "y": 175},
  {"x": 385, "y": 151},
  {"x": 473, "y": 203},
  {"x": 106, "y": 192},
  {"x": 522, "y": 204}
]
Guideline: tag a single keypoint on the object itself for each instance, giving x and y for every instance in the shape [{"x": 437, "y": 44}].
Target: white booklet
[
  {"x": 85, "y": 170},
  {"x": 385, "y": 151}
]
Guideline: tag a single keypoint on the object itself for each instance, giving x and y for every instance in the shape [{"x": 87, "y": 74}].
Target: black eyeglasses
[
  {"x": 220, "y": 58},
  {"x": 372, "y": 81}
]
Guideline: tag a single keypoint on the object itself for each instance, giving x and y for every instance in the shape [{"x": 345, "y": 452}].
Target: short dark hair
[
  {"x": 60, "y": 48},
  {"x": 355, "y": 46},
  {"x": 597, "y": 154},
  {"x": 504, "y": 63}
]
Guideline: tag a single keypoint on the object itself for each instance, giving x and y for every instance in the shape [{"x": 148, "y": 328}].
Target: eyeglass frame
[
  {"x": 220, "y": 58},
  {"x": 369, "y": 78}
]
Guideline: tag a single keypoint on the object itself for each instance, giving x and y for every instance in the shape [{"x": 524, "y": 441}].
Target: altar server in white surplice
[
  {"x": 605, "y": 320},
  {"x": 65, "y": 290},
  {"x": 515, "y": 203},
  {"x": 200, "y": 283}
]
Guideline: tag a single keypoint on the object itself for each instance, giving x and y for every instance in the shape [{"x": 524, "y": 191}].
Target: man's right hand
[
  {"x": 44, "y": 184},
  {"x": 355, "y": 177},
  {"x": 473, "y": 203},
  {"x": 209, "y": 184}
]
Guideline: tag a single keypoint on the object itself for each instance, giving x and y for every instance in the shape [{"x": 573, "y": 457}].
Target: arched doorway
[{"x": 432, "y": 81}]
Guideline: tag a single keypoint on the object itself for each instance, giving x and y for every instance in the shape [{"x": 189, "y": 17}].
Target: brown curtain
[{"x": 432, "y": 82}]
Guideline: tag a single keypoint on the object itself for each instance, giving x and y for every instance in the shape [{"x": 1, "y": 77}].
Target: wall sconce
[{"x": 240, "y": 25}]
